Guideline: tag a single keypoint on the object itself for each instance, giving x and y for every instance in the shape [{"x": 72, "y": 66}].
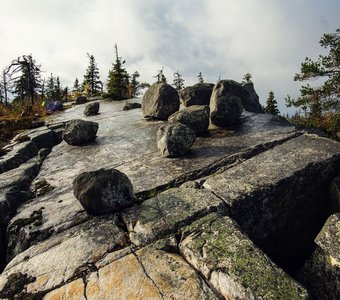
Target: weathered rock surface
[
  {"x": 43, "y": 138},
  {"x": 157, "y": 274},
  {"x": 268, "y": 198},
  {"x": 334, "y": 191},
  {"x": 65, "y": 256},
  {"x": 131, "y": 105},
  {"x": 167, "y": 212},
  {"x": 91, "y": 109},
  {"x": 175, "y": 139},
  {"x": 55, "y": 250},
  {"x": 321, "y": 273},
  {"x": 81, "y": 99},
  {"x": 78, "y": 132},
  {"x": 160, "y": 101},
  {"x": 103, "y": 191},
  {"x": 232, "y": 264},
  {"x": 226, "y": 102},
  {"x": 143, "y": 165},
  {"x": 198, "y": 94},
  {"x": 196, "y": 117},
  {"x": 252, "y": 103},
  {"x": 20, "y": 153}
]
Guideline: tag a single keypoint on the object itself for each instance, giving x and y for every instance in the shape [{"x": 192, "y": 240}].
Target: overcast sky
[{"x": 226, "y": 38}]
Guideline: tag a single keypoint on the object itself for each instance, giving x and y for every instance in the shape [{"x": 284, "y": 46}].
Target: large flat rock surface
[
  {"x": 177, "y": 241},
  {"x": 126, "y": 141}
]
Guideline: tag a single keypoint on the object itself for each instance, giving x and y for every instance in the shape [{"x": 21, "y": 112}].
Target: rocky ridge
[{"x": 233, "y": 218}]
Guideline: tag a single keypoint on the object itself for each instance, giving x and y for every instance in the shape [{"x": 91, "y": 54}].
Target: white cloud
[{"x": 268, "y": 38}]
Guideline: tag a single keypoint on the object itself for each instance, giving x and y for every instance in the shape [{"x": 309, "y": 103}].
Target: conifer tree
[
  {"x": 316, "y": 101},
  {"x": 27, "y": 84},
  {"x": 118, "y": 80},
  {"x": 247, "y": 78},
  {"x": 271, "y": 105},
  {"x": 160, "y": 76},
  {"x": 91, "y": 77},
  {"x": 50, "y": 88},
  {"x": 57, "y": 90},
  {"x": 178, "y": 82},
  {"x": 200, "y": 78}
]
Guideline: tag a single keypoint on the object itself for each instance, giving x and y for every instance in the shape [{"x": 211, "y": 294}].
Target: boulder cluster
[{"x": 221, "y": 104}]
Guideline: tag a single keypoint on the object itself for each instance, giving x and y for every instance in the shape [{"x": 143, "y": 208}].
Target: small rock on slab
[
  {"x": 232, "y": 264},
  {"x": 252, "y": 103},
  {"x": 103, "y": 191},
  {"x": 78, "y": 132},
  {"x": 196, "y": 117},
  {"x": 91, "y": 109},
  {"x": 198, "y": 94},
  {"x": 321, "y": 273},
  {"x": 81, "y": 99},
  {"x": 175, "y": 139},
  {"x": 131, "y": 105},
  {"x": 226, "y": 103},
  {"x": 160, "y": 101}
]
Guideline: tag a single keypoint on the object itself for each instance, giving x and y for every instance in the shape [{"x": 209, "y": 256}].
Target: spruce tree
[
  {"x": 200, "y": 78},
  {"x": 247, "y": 78},
  {"x": 57, "y": 90},
  {"x": 50, "y": 88},
  {"x": 271, "y": 105},
  {"x": 29, "y": 81},
  {"x": 178, "y": 82},
  {"x": 91, "y": 77},
  {"x": 118, "y": 80}
]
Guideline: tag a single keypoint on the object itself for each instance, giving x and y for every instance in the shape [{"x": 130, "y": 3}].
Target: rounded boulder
[
  {"x": 160, "y": 101},
  {"x": 175, "y": 139},
  {"x": 226, "y": 103},
  {"x": 196, "y": 117},
  {"x": 91, "y": 109},
  {"x": 103, "y": 191},
  {"x": 78, "y": 132}
]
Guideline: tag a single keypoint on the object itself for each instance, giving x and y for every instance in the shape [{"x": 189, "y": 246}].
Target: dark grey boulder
[
  {"x": 78, "y": 132},
  {"x": 91, "y": 109},
  {"x": 160, "y": 101},
  {"x": 81, "y": 99},
  {"x": 103, "y": 191},
  {"x": 252, "y": 103},
  {"x": 196, "y": 117},
  {"x": 198, "y": 94},
  {"x": 175, "y": 139},
  {"x": 226, "y": 103},
  {"x": 131, "y": 105}
]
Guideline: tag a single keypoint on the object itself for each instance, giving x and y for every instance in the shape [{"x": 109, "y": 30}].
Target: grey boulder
[
  {"x": 175, "y": 139},
  {"x": 131, "y": 105},
  {"x": 160, "y": 101},
  {"x": 196, "y": 117},
  {"x": 252, "y": 103},
  {"x": 198, "y": 94},
  {"x": 81, "y": 99},
  {"x": 91, "y": 109},
  {"x": 226, "y": 103},
  {"x": 103, "y": 191},
  {"x": 78, "y": 132}
]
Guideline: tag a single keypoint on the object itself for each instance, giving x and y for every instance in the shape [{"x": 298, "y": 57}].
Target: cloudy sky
[{"x": 220, "y": 38}]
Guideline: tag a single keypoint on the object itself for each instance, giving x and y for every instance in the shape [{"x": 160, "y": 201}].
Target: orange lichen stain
[
  {"x": 38, "y": 284},
  {"x": 72, "y": 291},
  {"x": 121, "y": 279}
]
